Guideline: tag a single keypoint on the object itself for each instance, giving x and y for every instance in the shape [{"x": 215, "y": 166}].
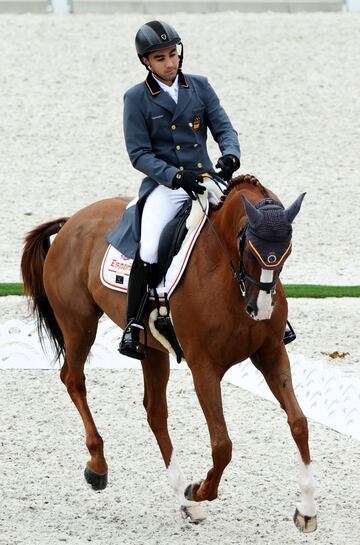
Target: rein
[{"x": 235, "y": 274}]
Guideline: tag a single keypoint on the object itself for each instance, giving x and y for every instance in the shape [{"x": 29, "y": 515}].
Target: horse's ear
[
  {"x": 252, "y": 213},
  {"x": 294, "y": 208}
]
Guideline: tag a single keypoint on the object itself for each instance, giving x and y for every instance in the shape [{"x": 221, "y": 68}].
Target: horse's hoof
[
  {"x": 97, "y": 482},
  {"x": 304, "y": 523},
  {"x": 194, "y": 514},
  {"x": 188, "y": 492}
]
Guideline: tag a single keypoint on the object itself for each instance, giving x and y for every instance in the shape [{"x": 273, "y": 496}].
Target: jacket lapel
[
  {"x": 184, "y": 98},
  {"x": 158, "y": 96}
]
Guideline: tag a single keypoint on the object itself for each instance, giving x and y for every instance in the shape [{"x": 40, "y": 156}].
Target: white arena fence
[
  {"x": 325, "y": 395},
  {"x": 174, "y": 6}
]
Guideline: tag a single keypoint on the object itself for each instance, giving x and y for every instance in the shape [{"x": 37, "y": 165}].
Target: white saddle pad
[{"x": 116, "y": 267}]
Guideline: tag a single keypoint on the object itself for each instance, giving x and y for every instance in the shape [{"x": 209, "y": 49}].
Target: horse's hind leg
[
  {"x": 156, "y": 375},
  {"x": 277, "y": 373},
  {"x": 79, "y": 337}
]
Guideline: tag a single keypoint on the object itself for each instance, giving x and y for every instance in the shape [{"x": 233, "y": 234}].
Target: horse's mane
[{"x": 240, "y": 180}]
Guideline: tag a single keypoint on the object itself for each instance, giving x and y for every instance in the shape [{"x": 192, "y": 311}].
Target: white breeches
[{"x": 160, "y": 207}]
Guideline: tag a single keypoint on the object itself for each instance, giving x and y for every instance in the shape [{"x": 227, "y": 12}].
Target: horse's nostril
[{"x": 250, "y": 309}]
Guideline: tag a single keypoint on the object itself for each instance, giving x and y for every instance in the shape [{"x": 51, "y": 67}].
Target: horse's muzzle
[{"x": 262, "y": 309}]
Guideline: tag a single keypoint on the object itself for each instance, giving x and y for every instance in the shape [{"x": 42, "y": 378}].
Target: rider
[{"x": 165, "y": 125}]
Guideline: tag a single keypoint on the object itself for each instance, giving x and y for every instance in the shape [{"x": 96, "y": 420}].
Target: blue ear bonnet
[{"x": 270, "y": 239}]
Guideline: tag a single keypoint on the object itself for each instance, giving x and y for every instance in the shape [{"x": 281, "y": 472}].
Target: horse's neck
[
  {"x": 229, "y": 219},
  {"x": 232, "y": 214},
  {"x": 217, "y": 248}
]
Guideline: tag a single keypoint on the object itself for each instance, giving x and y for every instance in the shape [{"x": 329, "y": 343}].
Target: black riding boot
[
  {"x": 289, "y": 334},
  {"x": 138, "y": 292}
]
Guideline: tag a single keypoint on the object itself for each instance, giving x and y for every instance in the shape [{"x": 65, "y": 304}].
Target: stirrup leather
[{"x": 165, "y": 326}]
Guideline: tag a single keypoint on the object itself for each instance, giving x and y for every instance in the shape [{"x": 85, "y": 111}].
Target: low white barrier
[
  {"x": 168, "y": 6},
  {"x": 324, "y": 394}
]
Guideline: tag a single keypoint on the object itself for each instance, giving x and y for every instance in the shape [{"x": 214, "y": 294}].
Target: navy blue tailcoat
[{"x": 163, "y": 137}]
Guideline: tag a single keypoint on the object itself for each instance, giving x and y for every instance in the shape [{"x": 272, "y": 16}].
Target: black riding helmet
[{"x": 154, "y": 36}]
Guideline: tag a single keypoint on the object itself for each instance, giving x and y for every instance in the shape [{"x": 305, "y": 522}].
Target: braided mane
[{"x": 239, "y": 180}]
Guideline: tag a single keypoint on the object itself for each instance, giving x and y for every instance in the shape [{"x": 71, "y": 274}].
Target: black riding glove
[
  {"x": 190, "y": 182},
  {"x": 228, "y": 164}
]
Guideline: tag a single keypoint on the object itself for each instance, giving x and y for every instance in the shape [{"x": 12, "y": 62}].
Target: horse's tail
[{"x": 37, "y": 244}]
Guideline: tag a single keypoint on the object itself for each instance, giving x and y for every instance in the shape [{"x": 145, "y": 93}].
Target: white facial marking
[
  {"x": 264, "y": 299},
  {"x": 307, "y": 506}
]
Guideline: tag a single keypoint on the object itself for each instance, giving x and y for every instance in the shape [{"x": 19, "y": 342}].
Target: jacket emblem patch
[{"x": 196, "y": 123}]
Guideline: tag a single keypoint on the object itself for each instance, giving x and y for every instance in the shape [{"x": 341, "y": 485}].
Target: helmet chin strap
[{"x": 181, "y": 56}]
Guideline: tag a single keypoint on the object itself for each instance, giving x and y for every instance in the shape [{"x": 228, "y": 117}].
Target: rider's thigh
[{"x": 160, "y": 207}]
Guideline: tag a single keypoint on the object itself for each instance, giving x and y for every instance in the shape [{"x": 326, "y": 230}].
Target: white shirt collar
[{"x": 172, "y": 90}]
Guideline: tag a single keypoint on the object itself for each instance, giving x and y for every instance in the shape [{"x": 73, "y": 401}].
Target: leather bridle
[{"x": 242, "y": 276}]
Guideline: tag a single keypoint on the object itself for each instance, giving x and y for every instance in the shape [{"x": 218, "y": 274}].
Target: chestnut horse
[{"x": 228, "y": 325}]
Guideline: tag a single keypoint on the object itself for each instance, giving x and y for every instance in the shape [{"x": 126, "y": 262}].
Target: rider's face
[{"x": 164, "y": 64}]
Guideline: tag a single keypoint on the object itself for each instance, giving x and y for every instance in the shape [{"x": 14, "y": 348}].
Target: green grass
[
  {"x": 317, "y": 291},
  {"x": 292, "y": 290},
  {"x": 11, "y": 289}
]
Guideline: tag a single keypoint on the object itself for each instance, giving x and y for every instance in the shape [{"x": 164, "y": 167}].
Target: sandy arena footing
[{"x": 290, "y": 86}]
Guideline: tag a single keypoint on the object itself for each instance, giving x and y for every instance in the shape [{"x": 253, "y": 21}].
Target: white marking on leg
[
  {"x": 264, "y": 299},
  {"x": 307, "y": 506},
  {"x": 177, "y": 481}
]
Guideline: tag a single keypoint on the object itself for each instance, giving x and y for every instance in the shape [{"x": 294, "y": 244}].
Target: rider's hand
[
  {"x": 228, "y": 164},
  {"x": 190, "y": 182}
]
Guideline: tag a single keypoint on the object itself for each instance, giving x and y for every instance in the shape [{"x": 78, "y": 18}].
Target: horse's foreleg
[
  {"x": 208, "y": 390},
  {"x": 277, "y": 374},
  {"x": 77, "y": 347},
  {"x": 156, "y": 375}
]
